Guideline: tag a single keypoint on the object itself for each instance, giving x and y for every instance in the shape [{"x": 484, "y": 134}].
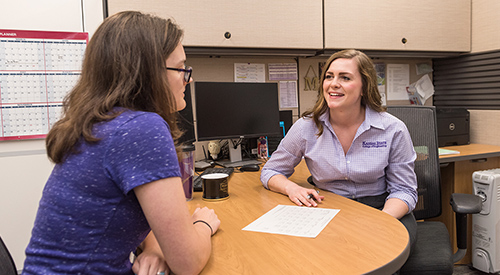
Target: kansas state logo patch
[{"x": 374, "y": 144}]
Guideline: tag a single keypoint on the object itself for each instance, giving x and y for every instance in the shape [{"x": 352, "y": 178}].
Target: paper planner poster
[{"x": 37, "y": 69}]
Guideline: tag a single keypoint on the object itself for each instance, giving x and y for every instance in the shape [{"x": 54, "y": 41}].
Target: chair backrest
[
  {"x": 422, "y": 125},
  {"x": 7, "y": 265}
]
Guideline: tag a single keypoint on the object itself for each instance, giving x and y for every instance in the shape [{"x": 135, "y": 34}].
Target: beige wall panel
[
  {"x": 259, "y": 23},
  {"x": 485, "y": 126},
  {"x": 24, "y": 168},
  {"x": 428, "y": 25},
  {"x": 308, "y": 67},
  {"x": 48, "y": 15},
  {"x": 485, "y": 25}
]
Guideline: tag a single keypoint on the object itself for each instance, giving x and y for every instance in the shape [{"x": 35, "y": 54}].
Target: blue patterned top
[{"x": 89, "y": 220}]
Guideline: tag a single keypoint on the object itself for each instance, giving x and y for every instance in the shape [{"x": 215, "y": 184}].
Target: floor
[{"x": 466, "y": 270}]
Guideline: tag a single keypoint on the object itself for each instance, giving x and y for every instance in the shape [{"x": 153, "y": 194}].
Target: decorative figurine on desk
[
  {"x": 214, "y": 149},
  {"x": 262, "y": 148}
]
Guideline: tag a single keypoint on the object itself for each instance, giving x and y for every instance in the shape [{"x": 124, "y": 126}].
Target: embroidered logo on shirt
[{"x": 374, "y": 144}]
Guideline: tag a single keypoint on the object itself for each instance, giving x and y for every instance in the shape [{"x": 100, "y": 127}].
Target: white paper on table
[{"x": 292, "y": 220}]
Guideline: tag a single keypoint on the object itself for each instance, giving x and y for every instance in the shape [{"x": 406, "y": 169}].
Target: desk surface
[
  {"x": 470, "y": 151},
  {"x": 358, "y": 240}
]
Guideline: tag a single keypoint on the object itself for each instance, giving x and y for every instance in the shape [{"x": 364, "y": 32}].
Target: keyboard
[{"x": 197, "y": 183}]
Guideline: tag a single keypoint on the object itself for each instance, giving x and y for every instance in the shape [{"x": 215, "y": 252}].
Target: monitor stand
[{"x": 235, "y": 159}]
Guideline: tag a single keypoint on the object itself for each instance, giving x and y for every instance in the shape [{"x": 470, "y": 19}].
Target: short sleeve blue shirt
[{"x": 88, "y": 219}]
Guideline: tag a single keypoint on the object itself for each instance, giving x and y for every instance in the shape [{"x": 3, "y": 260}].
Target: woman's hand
[
  {"x": 207, "y": 215},
  {"x": 296, "y": 193},
  {"x": 395, "y": 207},
  {"x": 150, "y": 262},
  {"x": 303, "y": 196}
]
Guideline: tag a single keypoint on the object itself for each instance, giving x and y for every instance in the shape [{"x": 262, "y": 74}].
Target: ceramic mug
[{"x": 215, "y": 186}]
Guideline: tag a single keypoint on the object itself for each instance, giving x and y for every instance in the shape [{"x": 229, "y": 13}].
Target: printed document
[
  {"x": 293, "y": 220},
  {"x": 398, "y": 77}
]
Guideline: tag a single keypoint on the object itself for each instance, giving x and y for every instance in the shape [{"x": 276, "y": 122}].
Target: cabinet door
[
  {"x": 48, "y": 15},
  {"x": 294, "y": 24},
  {"x": 413, "y": 25},
  {"x": 485, "y": 22}
]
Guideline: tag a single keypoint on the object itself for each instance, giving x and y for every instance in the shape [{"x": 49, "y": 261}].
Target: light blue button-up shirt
[{"x": 380, "y": 159}]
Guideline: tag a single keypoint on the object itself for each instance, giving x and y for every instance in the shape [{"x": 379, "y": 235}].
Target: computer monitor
[
  {"x": 186, "y": 119},
  {"x": 236, "y": 110}
]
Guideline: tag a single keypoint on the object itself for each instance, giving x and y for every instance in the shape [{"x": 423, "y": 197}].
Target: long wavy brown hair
[
  {"x": 371, "y": 96},
  {"x": 124, "y": 66}
]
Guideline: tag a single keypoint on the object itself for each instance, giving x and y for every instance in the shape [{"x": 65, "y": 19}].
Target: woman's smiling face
[{"x": 342, "y": 86}]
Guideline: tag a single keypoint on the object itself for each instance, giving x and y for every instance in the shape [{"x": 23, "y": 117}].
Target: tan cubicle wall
[{"x": 485, "y": 126}]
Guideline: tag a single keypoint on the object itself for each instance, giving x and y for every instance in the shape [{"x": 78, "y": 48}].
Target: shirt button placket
[{"x": 348, "y": 162}]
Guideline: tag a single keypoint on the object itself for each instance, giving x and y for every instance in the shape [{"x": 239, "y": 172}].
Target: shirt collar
[{"x": 373, "y": 119}]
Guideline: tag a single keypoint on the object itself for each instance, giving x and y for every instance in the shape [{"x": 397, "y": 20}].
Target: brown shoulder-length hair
[
  {"x": 371, "y": 96},
  {"x": 124, "y": 66}
]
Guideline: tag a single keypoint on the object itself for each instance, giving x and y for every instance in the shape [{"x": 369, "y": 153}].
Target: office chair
[
  {"x": 7, "y": 265},
  {"x": 432, "y": 253}
]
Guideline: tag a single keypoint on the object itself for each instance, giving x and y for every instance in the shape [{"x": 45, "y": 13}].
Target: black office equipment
[
  {"x": 227, "y": 110},
  {"x": 197, "y": 182},
  {"x": 236, "y": 110},
  {"x": 186, "y": 120},
  {"x": 453, "y": 126},
  {"x": 432, "y": 253},
  {"x": 7, "y": 265},
  {"x": 286, "y": 121},
  {"x": 250, "y": 168}
]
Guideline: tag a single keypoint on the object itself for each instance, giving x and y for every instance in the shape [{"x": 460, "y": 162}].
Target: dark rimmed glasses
[{"x": 187, "y": 72}]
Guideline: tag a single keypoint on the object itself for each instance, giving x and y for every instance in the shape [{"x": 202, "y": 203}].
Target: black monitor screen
[
  {"x": 286, "y": 120},
  {"x": 186, "y": 123},
  {"x": 236, "y": 110}
]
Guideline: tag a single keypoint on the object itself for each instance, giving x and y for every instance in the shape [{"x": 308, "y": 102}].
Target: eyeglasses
[{"x": 187, "y": 72}]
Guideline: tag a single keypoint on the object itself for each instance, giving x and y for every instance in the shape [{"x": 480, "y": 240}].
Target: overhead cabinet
[
  {"x": 485, "y": 22},
  {"x": 403, "y": 25},
  {"x": 289, "y": 24}
]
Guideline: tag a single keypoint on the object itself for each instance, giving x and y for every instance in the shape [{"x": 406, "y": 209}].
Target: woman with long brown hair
[
  {"x": 351, "y": 146},
  {"x": 116, "y": 174}
]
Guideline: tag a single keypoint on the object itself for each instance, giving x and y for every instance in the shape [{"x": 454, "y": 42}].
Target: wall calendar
[{"x": 37, "y": 69}]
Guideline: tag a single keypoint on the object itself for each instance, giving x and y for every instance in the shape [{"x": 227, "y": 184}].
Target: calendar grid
[{"x": 37, "y": 69}]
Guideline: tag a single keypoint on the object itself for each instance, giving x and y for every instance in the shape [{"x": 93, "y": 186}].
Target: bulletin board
[{"x": 37, "y": 69}]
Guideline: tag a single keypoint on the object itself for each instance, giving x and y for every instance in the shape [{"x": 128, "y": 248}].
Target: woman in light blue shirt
[{"x": 351, "y": 146}]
